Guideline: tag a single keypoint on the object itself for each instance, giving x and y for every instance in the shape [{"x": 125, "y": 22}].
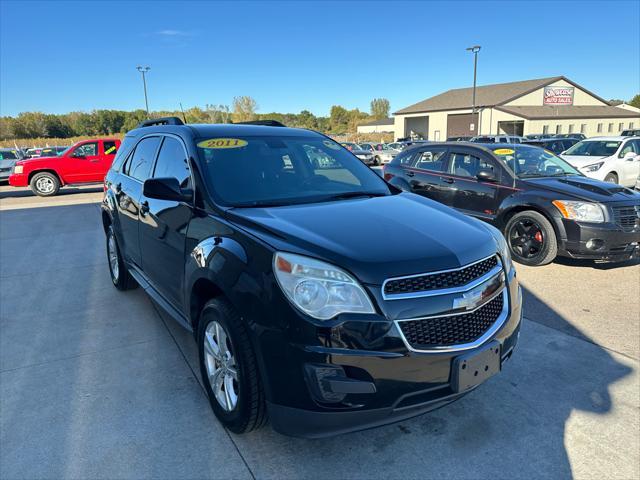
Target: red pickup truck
[{"x": 85, "y": 162}]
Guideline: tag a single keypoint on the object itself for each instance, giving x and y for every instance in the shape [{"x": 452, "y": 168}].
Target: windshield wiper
[{"x": 344, "y": 195}]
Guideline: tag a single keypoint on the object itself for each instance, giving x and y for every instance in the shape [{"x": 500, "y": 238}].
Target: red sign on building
[{"x": 558, "y": 96}]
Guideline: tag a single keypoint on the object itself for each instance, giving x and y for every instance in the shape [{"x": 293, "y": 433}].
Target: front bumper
[
  {"x": 19, "y": 180},
  {"x": 390, "y": 381},
  {"x": 605, "y": 241}
]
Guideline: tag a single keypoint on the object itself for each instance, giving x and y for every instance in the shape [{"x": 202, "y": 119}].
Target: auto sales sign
[{"x": 558, "y": 96}]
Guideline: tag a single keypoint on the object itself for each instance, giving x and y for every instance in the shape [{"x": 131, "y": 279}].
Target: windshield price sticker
[
  {"x": 332, "y": 145},
  {"x": 504, "y": 151},
  {"x": 223, "y": 143}
]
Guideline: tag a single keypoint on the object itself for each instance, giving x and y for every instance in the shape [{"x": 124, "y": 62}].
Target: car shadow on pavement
[
  {"x": 515, "y": 426},
  {"x": 23, "y": 192}
]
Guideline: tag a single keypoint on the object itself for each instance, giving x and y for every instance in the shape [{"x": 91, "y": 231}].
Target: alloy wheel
[
  {"x": 112, "y": 252},
  {"x": 45, "y": 185},
  {"x": 222, "y": 370},
  {"x": 526, "y": 238}
]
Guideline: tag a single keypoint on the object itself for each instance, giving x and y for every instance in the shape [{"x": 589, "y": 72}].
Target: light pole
[
  {"x": 144, "y": 70},
  {"x": 475, "y": 49}
]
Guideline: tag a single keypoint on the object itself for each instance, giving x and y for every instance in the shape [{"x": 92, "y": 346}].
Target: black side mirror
[
  {"x": 486, "y": 175},
  {"x": 166, "y": 189}
]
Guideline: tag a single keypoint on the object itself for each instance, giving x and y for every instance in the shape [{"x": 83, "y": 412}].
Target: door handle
[
  {"x": 94, "y": 161},
  {"x": 144, "y": 208},
  {"x": 410, "y": 174},
  {"x": 447, "y": 180}
]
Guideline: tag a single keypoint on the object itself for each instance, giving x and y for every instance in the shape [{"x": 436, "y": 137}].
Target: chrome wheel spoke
[{"x": 222, "y": 371}]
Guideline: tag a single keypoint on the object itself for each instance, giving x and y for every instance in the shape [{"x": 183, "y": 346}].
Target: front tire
[
  {"x": 118, "y": 270},
  {"x": 229, "y": 368},
  {"x": 611, "y": 178},
  {"x": 531, "y": 238},
  {"x": 45, "y": 184}
]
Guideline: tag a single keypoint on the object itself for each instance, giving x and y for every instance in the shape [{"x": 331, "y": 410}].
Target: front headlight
[
  {"x": 18, "y": 169},
  {"x": 580, "y": 211},
  {"x": 317, "y": 288},
  {"x": 594, "y": 167}
]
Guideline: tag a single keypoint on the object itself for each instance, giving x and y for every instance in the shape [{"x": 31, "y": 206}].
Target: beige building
[
  {"x": 385, "y": 125},
  {"x": 547, "y": 105}
]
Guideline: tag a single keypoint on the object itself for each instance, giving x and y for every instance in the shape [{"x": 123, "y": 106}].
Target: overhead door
[{"x": 462, "y": 125}]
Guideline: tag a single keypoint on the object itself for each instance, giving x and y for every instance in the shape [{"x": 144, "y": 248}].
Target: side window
[
  {"x": 407, "y": 159},
  {"x": 86, "y": 150},
  {"x": 173, "y": 162},
  {"x": 141, "y": 161},
  {"x": 466, "y": 165},
  {"x": 631, "y": 146},
  {"x": 432, "y": 159},
  {"x": 110, "y": 148}
]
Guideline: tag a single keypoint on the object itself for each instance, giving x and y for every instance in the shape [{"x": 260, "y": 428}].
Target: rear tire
[
  {"x": 118, "y": 270},
  {"x": 229, "y": 368},
  {"x": 611, "y": 178},
  {"x": 45, "y": 184},
  {"x": 531, "y": 238}
]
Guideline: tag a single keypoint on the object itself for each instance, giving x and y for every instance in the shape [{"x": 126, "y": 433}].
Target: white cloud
[{"x": 174, "y": 33}]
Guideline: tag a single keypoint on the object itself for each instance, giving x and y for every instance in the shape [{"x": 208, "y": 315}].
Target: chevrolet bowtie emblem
[{"x": 476, "y": 297}]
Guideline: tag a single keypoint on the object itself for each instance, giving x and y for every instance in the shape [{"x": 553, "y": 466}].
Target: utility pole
[
  {"x": 475, "y": 49},
  {"x": 143, "y": 71}
]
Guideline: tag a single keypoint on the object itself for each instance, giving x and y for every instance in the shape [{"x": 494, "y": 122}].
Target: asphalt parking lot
[{"x": 97, "y": 383}]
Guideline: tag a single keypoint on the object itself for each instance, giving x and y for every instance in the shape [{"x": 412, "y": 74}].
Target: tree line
[{"x": 28, "y": 125}]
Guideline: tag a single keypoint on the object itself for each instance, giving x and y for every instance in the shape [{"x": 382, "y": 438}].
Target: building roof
[
  {"x": 568, "y": 111},
  {"x": 486, "y": 95},
  {"x": 382, "y": 121}
]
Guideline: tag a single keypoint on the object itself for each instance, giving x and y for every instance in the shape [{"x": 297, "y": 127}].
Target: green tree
[
  {"x": 380, "y": 108},
  {"x": 244, "y": 109},
  {"x": 338, "y": 119},
  {"x": 635, "y": 101}
]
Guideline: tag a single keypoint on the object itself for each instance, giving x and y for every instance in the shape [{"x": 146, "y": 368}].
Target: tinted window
[
  {"x": 262, "y": 171},
  {"x": 466, "y": 165},
  {"x": 139, "y": 166},
  {"x": 432, "y": 159},
  {"x": 172, "y": 162},
  {"x": 86, "y": 150},
  {"x": 110, "y": 148}
]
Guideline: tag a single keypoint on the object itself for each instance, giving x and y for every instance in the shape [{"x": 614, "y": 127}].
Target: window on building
[
  {"x": 583, "y": 128},
  {"x": 558, "y": 129},
  {"x": 610, "y": 129},
  {"x": 545, "y": 129},
  {"x": 571, "y": 128},
  {"x": 620, "y": 126},
  {"x": 599, "y": 128},
  {"x": 630, "y": 124}
]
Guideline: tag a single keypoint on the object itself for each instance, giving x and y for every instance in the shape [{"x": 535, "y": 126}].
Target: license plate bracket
[{"x": 472, "y": 369}]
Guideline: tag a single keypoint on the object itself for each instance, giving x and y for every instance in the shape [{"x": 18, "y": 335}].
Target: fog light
[{"x": 595, "y": 244}]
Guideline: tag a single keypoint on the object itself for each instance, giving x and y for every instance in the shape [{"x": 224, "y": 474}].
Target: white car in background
[{"x": 612, "y": 159}]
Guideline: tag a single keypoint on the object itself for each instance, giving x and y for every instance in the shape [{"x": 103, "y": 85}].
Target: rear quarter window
[{"x": 122, "y": 153}]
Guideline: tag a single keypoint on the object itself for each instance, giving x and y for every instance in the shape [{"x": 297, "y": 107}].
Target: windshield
[
  {"x": 274, "y": 171},
  {"x": 8, "y": 155},
  {"x": 594, "y": 148},
  {"x": 529, "y": 162}
]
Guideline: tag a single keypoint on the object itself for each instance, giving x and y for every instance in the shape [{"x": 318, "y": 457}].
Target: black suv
[
  {"x": 555, "y": 145},
  {"x": 544, "y": 206},
  {"x": 316, "y": 292}
]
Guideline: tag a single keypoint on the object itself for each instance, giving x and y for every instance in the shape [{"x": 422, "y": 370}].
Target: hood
[
  {"x": 583, "y": 188},
  {"x": 374, "y": 238},
  {"x": 580, "y": 161},
  {"x": 33, "y": 161}
]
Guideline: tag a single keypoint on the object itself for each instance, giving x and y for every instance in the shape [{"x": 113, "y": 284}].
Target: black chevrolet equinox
[{"x": 319, "y": 295}]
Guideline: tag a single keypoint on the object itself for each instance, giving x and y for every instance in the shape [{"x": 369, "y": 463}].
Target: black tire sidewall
[
  {"x": 53, "y": 178},
  {"x": 235, "y": 420},
  {"x": 550, "y": 246},
  {"x": 122, "y": 283}
]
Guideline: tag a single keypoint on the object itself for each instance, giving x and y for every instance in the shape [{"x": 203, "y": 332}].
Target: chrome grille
[
  {"x": 440, "y": 280},
  {"x": 626, "y": 217},
  {"x": 452, "y": 330}
]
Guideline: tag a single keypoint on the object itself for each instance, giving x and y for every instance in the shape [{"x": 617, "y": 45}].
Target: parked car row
[{"x": 543, "y": 205}]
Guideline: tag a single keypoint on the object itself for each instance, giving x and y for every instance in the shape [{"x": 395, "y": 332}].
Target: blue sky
[{"x": 58, "y": 56}]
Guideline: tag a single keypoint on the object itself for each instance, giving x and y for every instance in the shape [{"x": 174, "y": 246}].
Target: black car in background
[
  {"x": 555, "y": 145},
  {"x": 323, "y": 297},
  {"x": 630, "y": 133},
  {"x": 543, "y": 205},
  {"x": 577, "y": 136},
  {"x": 459, "y": 139}
]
